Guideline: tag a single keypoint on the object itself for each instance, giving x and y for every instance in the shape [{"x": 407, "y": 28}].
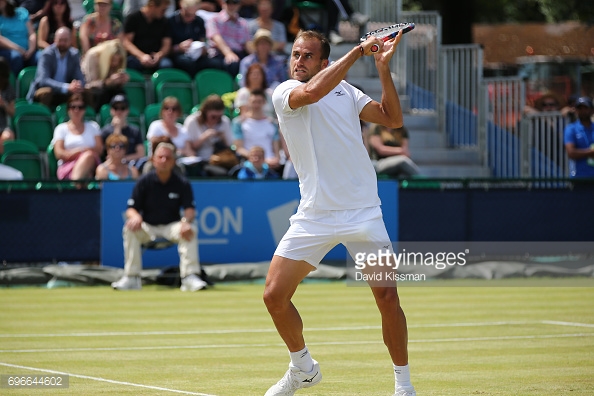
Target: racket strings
[{"x": 388, "y": 30}]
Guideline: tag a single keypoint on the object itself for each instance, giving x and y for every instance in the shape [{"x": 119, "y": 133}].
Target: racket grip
[{"x": 374, "y": 48}]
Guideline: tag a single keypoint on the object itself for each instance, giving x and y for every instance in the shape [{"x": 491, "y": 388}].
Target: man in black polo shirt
[{"x": 154, "y": 212}]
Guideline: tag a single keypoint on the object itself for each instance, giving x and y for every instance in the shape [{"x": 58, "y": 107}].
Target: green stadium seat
[
  {"x": 212, "y": 81},
  {"x": 24, "y": 156},
  {"x": 174, "y": 82},
  {"x": 152, "y": 112},
  {"x": 138, "y": 90},
  {"x": 24, "y": 80},
  {"x": 52, "y": 163},
  {"x": 33, "y": 122}
]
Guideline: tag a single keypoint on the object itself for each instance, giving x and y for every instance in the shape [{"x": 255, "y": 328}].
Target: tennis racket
[{"x": 387, "y": 33}]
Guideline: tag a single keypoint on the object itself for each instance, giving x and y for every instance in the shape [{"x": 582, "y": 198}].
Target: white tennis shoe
[
  {"x": 295, "y": 379},
  {"x": 192, "y": 283},
  {"x": 128, "y": 283},
  {"x": 406, "y": 391}
]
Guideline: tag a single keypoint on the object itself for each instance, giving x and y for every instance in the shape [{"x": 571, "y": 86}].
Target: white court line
[
  {"x": 574, "y": 324},
  {"x": 221, "y": 346},
  {"x": 269, "y": 330},
  {"x": 103, "y": 379}
]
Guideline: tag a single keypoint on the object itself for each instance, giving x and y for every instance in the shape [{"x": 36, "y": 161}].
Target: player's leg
[
  {"x": 394, "y": 328},
  {"x": 366, "y": 233},
  {"x": 283, "y": 278},
  {"x": 298, "y": 253}
]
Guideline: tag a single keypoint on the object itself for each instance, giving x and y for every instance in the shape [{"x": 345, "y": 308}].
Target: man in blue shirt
[{"x": 579, "y": 140}]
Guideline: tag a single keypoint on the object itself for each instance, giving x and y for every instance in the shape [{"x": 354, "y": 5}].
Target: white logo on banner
[{"x": 278, "y": 218}]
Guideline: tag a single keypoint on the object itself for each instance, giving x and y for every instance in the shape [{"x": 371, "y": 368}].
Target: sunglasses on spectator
[
  {"x": 120, "y": 108},
  {"x": 76, "y": 107},
  {"x": 549, "y": 104},
  {"x": 172, "y": 108},
  {"x": 118, "y": 146}
]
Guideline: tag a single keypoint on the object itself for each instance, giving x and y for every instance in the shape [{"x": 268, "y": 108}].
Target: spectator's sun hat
[
  {"x": 119, "y": 99},
  {"x": 584, "y": 101},
  {"x": 262, "y": 34}
]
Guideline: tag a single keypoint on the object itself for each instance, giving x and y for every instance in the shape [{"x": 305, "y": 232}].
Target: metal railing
[
  {"x": 485, "y": 114},
  {"x": 542, "y": 153},
  {"x": 460, "y": 78},
  {"x": 500, "y": 112},
  {"x": 419, "y": 63}
]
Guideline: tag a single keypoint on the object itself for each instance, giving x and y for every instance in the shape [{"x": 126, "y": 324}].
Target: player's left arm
[{"x": 387, "y": 112}]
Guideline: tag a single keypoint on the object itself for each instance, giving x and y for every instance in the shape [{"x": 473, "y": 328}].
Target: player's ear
[{"x": 325, "y": 63}]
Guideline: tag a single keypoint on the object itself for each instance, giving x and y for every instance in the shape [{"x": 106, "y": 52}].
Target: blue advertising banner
[{"x": 238, "y": 221}]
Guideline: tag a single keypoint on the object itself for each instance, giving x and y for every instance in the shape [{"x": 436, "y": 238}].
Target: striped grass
[{"x": 508, "y": 337}]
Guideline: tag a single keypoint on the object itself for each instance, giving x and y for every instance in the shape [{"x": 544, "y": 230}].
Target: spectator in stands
[
  {"x": 154, "y": 212},
  {"x": 569, "y": 109},
  {"x": 167, "y": 125},
  {"x": 115, "y": 166},
  {"x": 119, "y": 110},
  {"x": 549, "y": 101},
  {"x": 254, "y": 79},
  {"x": 77, "y": 143},
  {"x": 104, "y": 67},
  {"x": 209, "y": 130},
  {"x": 99, "y": 26},
  {"x": 228, "y": 34},
  {"x": 58, "y": 74},
  {"x": 274, "y": 65},
  {"x": 264, "y": 21},
  {"x": 579, "y": 140},
  {"x": 131, "y": 6},
  {"x": 188, "y": 39},
  {"x": 389, "y": 150},
  {"x": 147, "y": 37},
  {"x": 248, "y": 9},
  {"x": 56, "y": 15},
  {"x": 343, "y": 9},
  {"x": 255, "y": 128},
  {"x": 255, "y": 167},
  {"x": 211, "y": 5},
  {"x": 7, "y": 99},
  {"x": 36, "y": 9},
  {"x": 77, "y": 11},
  {"x": 18, "y": 42}
]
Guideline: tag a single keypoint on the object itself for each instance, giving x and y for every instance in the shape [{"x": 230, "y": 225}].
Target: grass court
[{"x": 499, "y": 337}]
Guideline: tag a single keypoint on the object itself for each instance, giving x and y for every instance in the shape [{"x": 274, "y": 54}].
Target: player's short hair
[{"x": 315, "y": 35}]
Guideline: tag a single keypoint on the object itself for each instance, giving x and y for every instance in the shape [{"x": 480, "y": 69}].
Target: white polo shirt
[{"x": 325, "y": 143}]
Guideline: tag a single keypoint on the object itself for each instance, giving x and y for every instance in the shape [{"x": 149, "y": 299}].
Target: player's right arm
[{"x": 320, "y": 84}]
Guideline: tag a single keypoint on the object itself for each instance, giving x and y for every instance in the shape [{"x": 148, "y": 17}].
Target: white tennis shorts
[{"x": 313, "y": 233}]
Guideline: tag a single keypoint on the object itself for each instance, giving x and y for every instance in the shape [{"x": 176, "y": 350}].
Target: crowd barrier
[{"x": 243, "y": 221}]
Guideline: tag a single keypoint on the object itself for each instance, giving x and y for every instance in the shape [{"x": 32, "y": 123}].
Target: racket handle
[{"x": 374, "y": 48}]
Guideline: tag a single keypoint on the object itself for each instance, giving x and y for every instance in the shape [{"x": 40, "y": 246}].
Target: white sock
[
  {"x": 302, "y": 359},
  {"x": 402, "y": 374}
]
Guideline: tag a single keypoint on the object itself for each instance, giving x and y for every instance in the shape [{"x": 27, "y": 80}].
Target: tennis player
[{"x": 319, "y": 116}]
